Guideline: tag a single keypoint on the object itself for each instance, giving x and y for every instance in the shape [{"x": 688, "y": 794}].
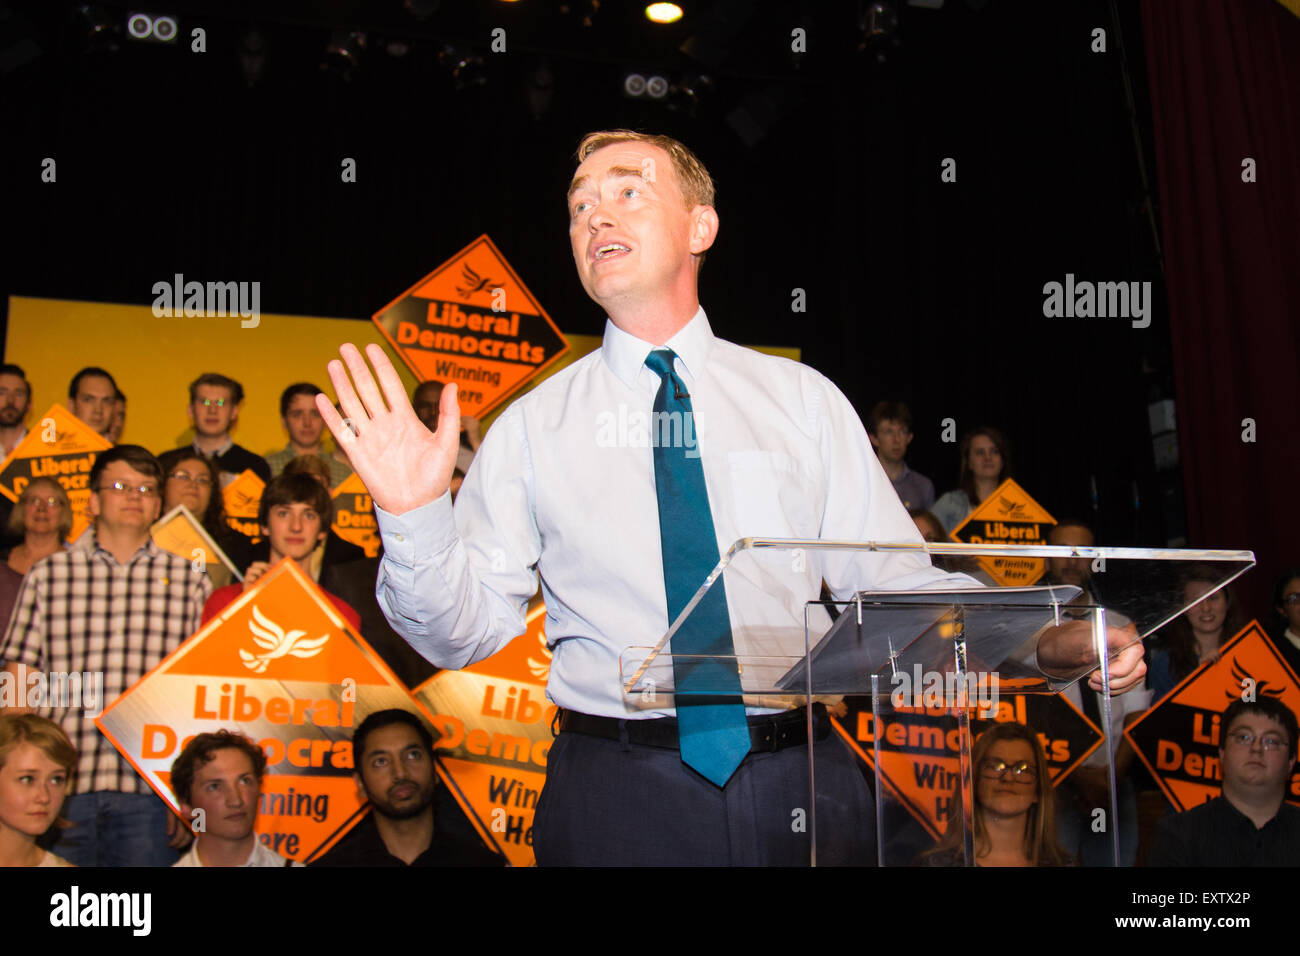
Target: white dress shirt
[{"x": 783, "y": 453}]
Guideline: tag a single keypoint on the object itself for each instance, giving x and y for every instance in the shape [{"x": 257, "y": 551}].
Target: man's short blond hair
[{"x": 692, "y": 178}]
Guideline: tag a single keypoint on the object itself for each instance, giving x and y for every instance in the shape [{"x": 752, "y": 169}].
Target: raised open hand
[{"x": 403, "y": 464}]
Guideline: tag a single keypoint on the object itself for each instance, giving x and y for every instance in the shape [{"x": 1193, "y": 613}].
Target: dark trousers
[{"x": 610, "y": 803}]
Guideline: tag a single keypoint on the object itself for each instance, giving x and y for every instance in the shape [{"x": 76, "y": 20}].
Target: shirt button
[{"x": 397, "y": 536}]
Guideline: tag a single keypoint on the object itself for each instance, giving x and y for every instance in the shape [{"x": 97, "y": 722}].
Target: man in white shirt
[
  {"x": 218, "y": 780},
  {"x": 782, "y": 453}
]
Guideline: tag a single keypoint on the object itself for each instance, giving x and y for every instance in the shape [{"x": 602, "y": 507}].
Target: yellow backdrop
[{"x": 155, "y": 359}]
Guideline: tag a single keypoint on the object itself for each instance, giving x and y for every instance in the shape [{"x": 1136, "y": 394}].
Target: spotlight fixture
[
  {"x": 466, "y": 68},
  {"x": 638, "y": 86},
  {"x": 878, "y": 22},
  {"x": 151, "y": 28},
  {"x": 343, "y": 53},
  {"x": 99, "y": 29},
  {"x": 663, "y": 12}
]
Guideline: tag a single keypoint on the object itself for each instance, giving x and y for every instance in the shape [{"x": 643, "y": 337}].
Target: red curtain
[{"x": 1225, "y": 87}]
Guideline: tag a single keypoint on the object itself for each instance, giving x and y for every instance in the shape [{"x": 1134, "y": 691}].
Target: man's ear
[
  {"x": 874, "y": 444},
  {"x": 234, "y": 414},
  {"x": 266, "y": 531},
  {"x": 362, "y": 796},
  {"x": 189, "y": 411},
  {"x": 704, "y": 229}
]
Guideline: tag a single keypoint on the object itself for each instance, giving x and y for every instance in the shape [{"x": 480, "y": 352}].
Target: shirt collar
[
  {"x": 1292, "y": 637},
  {"x": 230, "y": 443},
  {"x": 91, "y": 544},
  {"x": 625, "y": 354}
]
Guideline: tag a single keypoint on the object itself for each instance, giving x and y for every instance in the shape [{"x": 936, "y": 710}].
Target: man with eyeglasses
[
  {"x": 116, "y": 604},
  {"x": 1286, "y": 601},
  {"x": 214, "y": 410},
  {"x": 1250, "y": 824}
]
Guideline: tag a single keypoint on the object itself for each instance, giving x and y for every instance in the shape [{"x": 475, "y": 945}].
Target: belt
[{"x": 768, "y": 733}]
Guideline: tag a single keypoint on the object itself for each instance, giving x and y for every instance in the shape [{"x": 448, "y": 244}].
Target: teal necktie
[{"x": 712, "y": 731}]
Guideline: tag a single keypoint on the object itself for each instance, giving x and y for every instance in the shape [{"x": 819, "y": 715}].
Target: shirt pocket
[{"x": 772, "y": 497}]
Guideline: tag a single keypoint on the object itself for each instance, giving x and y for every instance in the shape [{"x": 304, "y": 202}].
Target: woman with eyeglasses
[
  {"x": 1014, "y": 819},
  {"x": 43, "y": 519},
  {"x": 192, "y": 480},
  {"x": 43, "y": 516}
]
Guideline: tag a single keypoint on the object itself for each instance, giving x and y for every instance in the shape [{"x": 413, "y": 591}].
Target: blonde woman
[{"x": 36, "y": 765}]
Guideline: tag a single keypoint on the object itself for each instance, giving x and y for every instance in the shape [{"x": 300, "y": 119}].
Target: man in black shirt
[
  {"x": 214, "y": 409},
  {"x": 413, "y": 821},
  {"x": 1250, "y": 824}
]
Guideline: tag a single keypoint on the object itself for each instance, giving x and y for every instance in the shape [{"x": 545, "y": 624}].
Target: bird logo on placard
[
  {"x": 1262, "y": 689},
  {"x": 276, "y": 643},
  {"x": 541, "y": 669},
  {"x": 473, "y": 282},
  {"x": 1009, "y": 508}
]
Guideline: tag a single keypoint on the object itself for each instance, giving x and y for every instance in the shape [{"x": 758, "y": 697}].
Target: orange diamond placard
[
  {"x": 920, "y": 757},
  {"x": 1179, "y": 737},
  {"x": 472, "y": 321},
  {"x": 180, "y": 532},
  {"x": 242, "y": 497},
  {"x": 494, "y": 727},
  {"x": 1008, "y": 516},
  {"x": 354, "y": 515},
  {"x": 63, "y": 447},
  {"x": 281, "y": 666}
]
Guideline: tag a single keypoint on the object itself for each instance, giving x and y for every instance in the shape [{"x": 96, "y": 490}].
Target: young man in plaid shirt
[{"x": 117, "y": 604}]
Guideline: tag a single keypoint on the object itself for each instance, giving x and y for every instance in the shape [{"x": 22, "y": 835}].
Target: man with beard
[
  {"x": 413, "y": 821},
  {"x": 15, "y": 402}
]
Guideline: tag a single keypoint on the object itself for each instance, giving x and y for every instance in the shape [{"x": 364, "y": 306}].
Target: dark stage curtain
[{"x": 1225, "y": 86}]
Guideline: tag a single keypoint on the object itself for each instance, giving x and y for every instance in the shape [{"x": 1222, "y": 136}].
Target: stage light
[
  {"x": 151, "y": 28},
  {"x": 879, "y": 24},
  {"x": 637, "y": 86},
  {"x": 663, "y": 12},
  {"x": 466, "y": 68},
  {"x": 343, "y": 53},
  {"x": 102, "y": 33}
]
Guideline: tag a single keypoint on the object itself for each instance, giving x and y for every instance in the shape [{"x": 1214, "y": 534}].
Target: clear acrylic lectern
[{"x": 916, "y": 662}]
